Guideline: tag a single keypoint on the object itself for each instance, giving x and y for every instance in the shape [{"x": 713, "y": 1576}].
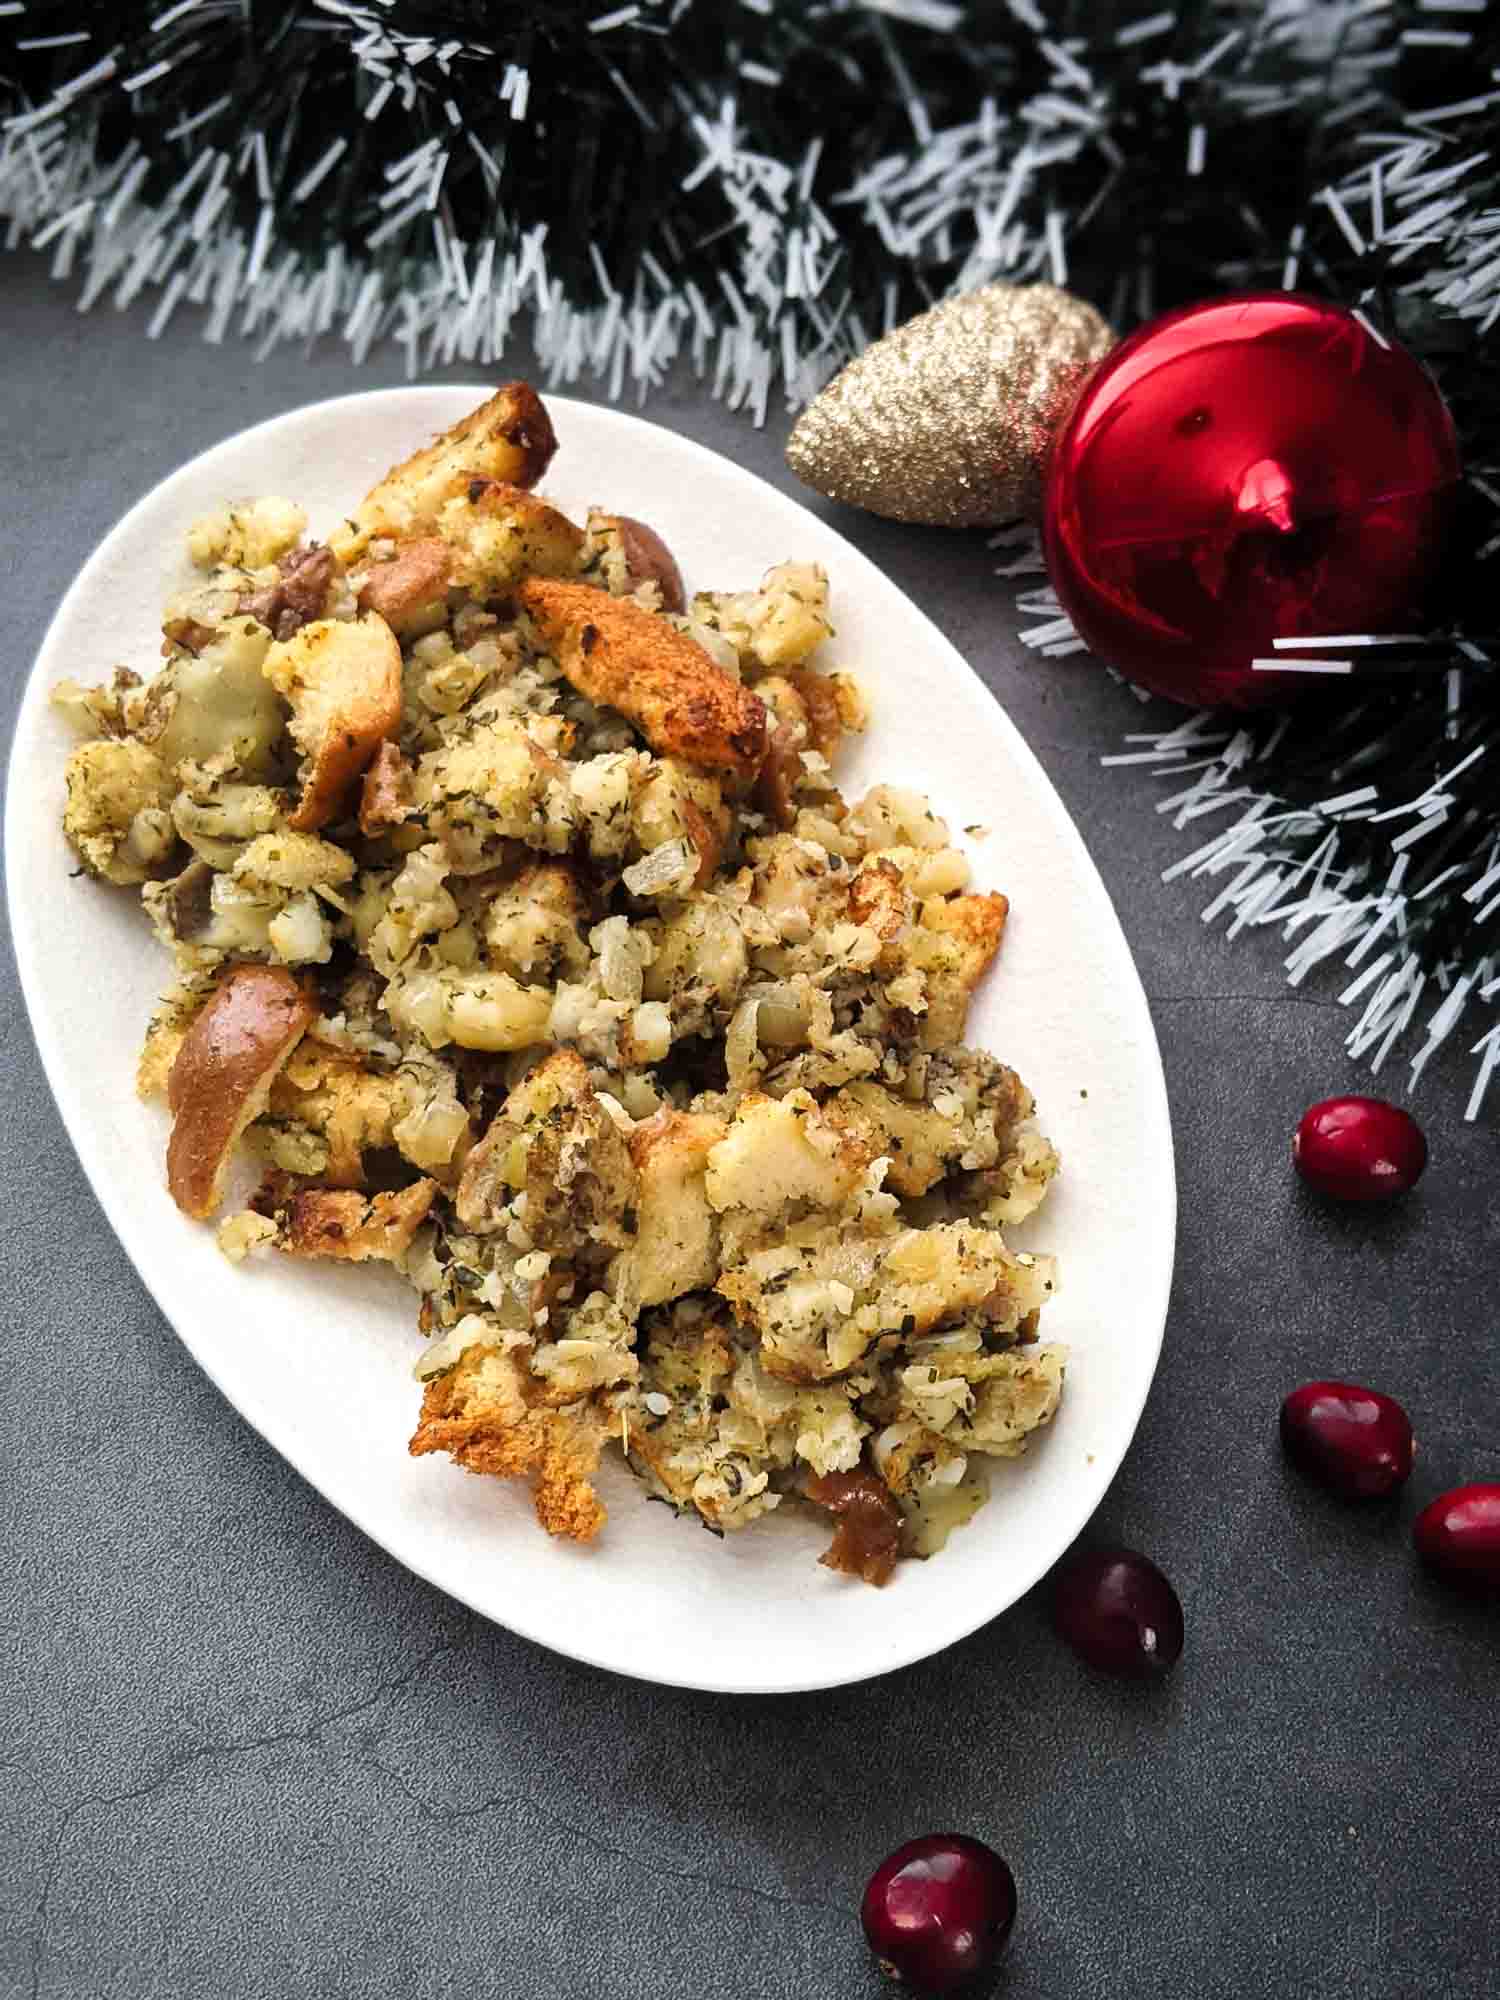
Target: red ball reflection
[{"x": 1256, "y": 468}]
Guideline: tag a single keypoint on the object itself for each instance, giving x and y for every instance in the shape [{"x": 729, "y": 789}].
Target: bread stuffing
[{"x": 521, "y": 940}]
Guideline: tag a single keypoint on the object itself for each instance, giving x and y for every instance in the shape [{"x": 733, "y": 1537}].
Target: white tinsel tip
[{"x": 1286, "y": 867}]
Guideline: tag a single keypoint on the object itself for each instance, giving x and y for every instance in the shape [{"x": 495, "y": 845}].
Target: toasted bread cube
[
  {"x": 676, "y": 1247},
  {"x": 478, "y": 1412},
  {"x": 342, "y": 678},
  {"x": 495, "y": 534},
  {"x": 116, "y": 816},
  {"x": 781, "y": 1153},
  {"x": 338, "y": 1222},
  {"x": 635, "y": 662},
  {"x": 954, "y": 945},
  {"x": 510, "y": 438}
]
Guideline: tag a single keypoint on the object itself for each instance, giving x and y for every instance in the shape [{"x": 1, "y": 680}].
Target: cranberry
[
  {"x": 1354, "y": 1441},
  {"x": 938, "y": 1911},
  {"x": 1118, "y": 1612},
  {"x": 1359, "y": 1149},
  {"x": 1458, "y": 1535}
]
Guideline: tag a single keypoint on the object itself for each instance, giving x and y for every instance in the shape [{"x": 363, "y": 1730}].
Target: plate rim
[{"x": 1085, "y": 1494}]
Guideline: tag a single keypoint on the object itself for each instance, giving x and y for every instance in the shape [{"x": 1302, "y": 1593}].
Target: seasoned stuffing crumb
[{"x": 519, "y": 926}]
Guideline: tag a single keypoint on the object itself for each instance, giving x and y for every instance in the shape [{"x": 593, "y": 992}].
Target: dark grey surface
[{"x": 247, "y": 1755}]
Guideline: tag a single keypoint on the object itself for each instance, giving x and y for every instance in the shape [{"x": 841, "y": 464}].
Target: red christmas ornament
[{"x": 1255, "y": 468}]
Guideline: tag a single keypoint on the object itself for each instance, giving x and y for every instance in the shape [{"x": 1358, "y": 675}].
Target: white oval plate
[{"x": 319, "y": 1359}]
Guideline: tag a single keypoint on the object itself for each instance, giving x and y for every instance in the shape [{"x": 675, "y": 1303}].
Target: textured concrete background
[{"x": 245, "y": 1754}]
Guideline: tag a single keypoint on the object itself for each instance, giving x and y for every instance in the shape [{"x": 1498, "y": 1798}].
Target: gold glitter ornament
[{"x": 947, "y": 419}]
